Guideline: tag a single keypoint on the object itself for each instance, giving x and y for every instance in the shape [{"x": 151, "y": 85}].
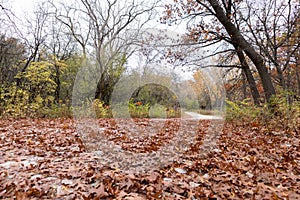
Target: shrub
[
  {"x": 138, "y": 109},
  {"x": 279, "y": 115},
  {"x": 101, "y": 110}
]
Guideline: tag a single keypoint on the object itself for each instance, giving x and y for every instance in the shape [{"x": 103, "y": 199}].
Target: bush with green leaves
[
  {"x": 44, "y": 89},
  {"x": 33, "y": 95},
  {"x": 138, "y": 109}
]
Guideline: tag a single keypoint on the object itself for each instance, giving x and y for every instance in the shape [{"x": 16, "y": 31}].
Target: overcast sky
[
  {"x": 23, "y": 5},
  {"x": 24, "y": 8}
]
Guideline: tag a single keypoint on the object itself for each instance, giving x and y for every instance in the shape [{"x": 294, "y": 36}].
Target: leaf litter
[{"x": 46, "y": 159}]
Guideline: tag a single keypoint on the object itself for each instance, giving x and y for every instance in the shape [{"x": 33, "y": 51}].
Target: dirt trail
[{"x": 194, "y": 115}]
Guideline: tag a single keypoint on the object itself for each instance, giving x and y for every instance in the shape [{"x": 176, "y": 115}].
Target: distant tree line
[{"x": 255, "y": 43}]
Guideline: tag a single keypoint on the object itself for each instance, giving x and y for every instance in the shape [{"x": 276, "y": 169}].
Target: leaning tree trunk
[
  {"x": 249, "y": 76},
  {"x": 244, "y": 85},
  {"x": 239, "y": 40}
]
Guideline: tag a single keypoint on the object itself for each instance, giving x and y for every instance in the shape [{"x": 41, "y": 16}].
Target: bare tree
[
  {"x": 239, "y": 40},
  {"x": 7, "y": 19},
  {"x": 212, "y": 40},
  {"x": 272, "y": 24},
  {"x": 108, "y": 31},
  {"x": 213, "y": 22},
  {"x": 33, "y": 35},
  {"x": 60, "y": 45},
  {"x": 11, "y": 53}
]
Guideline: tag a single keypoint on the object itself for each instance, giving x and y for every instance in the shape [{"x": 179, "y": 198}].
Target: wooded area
[
  {"x": 257, "y": 49},
  {"x": 234, "y": 64}
]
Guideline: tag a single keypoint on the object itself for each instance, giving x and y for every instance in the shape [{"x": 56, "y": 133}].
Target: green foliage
[
  {"x": 172, "y": 113},
  {"x": 278, "y": 115},
  {"x": 38, "y": 79},
  {"x": 158, "y": 111},
  {"x": 16, "y": 103},
  {"x": 37, "y": 95},
  {"x": 101, "y": 110},
  {"x": 244, "y": 112},
  {"x": 286, "y": 112},
  {"x": 138, "y": 109},
  {"x": 92, "y": 109},
  {"x": 68, "y": 75},
  {"x": 34, "y": 97},
  {"x": 55, "y": 111},
  {"x": 189, "y": 103},
  {"x": 148, "y": 96},
  {"x": 141, "y": 110}
]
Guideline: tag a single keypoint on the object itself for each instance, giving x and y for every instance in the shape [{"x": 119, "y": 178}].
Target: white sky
[
  {"x": 21, "y": 6},
  {"x": 24, "y": 8}
]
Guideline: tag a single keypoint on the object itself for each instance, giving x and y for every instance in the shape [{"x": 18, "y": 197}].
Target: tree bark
[
  {"x": 105, "y": 88},
  {"x": 58, "y": 85},
  {"x": 104, "y": 92},
  {"x": 298, "y": 72},
  {"x": 244, "y": 85},
  {"x": 249, "y": 76},
  {"x": 239, "y": 40}
]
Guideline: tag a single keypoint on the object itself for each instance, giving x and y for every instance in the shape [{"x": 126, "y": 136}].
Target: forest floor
[{"x": 47, "y": 159}]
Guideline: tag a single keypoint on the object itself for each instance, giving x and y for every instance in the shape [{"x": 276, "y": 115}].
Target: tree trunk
[
  {"x": 249, "y": 76},
  {"x": 208, "y": 103},
  {"x": 103, "y": 92},
  {"x": 239, "y": 40},
  {"x": 57, "y": 81},
  {"x": 281, "y": 77},
  {"x": 105, "y": 88},
  {"x": 244, "y": 85},
  {"x": 297, "y": 71}
]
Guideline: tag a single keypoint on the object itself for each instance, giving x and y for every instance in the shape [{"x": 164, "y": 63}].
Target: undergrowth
[
  {"x": 21, "y": 108},
  {"x": 278, "y": 115}
]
